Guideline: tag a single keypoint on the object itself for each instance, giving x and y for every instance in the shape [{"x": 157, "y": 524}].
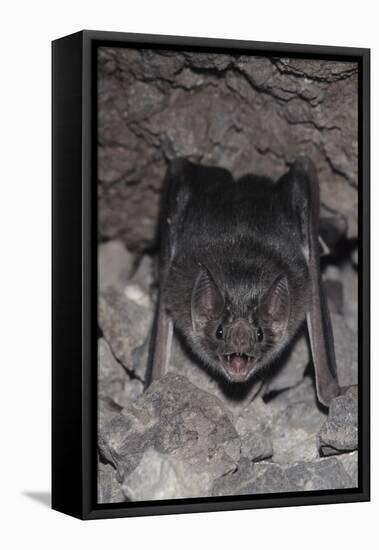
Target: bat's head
[{"x": 239, "y": 332}]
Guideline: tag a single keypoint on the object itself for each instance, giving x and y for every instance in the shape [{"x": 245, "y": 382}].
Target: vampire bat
[{"x": 239, "y": 271}]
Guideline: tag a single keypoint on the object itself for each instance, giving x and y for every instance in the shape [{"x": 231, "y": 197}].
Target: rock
[
  {"x": 334, "y": 293},
  {"x": 245, "y": 113},
  {"x": 146, "y": 275},
  {"x": 333, "y": 286},
  {"x": 295, "y": 433},
  {"x": 350, "y": 463},
  {"x": 125, "y": 318},
  {"x": 106, "y": 410},
  {"x": 108, "y": 488},
  {"x": 253, "y": 426},
  {"x": 305, "y": 391},
  {"x": 115, "y": 264},
  {"x": 115, "y": 384},
  {"x": 340, "y": 431},
  {"x": 252, "y": 478},
  {"x": 322, "y": 474},
  {"x": 113, "y": 381},
  {"x": 254, "y": 417},
  {"x": 186, "y": 428},
  {"x": 295, "y": 422},
  {"x": 162, "y": 476},
  {"x": 133, "y": 388},
  {"x": 290, "y": 370},
  {"x": 234, "y": 396},
  {"x": 256, "y": 446},
  {"x": 346, "y": 348}
]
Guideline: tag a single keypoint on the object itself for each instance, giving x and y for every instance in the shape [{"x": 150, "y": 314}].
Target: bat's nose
[{"x": 240, "y": 336}]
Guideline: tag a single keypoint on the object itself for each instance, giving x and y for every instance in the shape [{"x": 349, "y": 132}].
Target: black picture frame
[{"x": 74, "y": 273}]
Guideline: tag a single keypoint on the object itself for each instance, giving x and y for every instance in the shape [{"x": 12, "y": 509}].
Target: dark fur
[{"x": 245, "y": 235}]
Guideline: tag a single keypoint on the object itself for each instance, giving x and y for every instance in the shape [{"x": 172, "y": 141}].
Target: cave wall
[{"x": 244, "y": 113}]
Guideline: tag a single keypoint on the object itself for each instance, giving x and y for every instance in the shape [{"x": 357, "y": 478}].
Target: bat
[{"x": 239, "y": 271}]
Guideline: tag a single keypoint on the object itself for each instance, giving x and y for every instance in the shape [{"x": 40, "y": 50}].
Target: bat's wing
[
  {"x": 305, "y": 202},
  {"x": 181, "y": 179},
  {"x": 173, "y": 203}
]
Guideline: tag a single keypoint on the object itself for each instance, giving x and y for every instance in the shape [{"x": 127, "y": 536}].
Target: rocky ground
[{"x": 189, "y": 435}]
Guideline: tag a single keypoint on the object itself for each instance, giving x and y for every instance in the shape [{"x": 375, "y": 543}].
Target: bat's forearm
[{"x": 160, "y": 350}]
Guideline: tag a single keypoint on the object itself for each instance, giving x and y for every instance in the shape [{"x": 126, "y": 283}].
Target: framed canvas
[{"x": 210, "y": 275}]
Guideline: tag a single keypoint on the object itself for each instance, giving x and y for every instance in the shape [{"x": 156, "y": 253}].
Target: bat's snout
[
  {"x": 238, "y": 360},
  {"x": 240, "y": 336}
]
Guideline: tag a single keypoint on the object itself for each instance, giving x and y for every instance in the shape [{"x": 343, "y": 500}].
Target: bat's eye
[
  {"x": 219, "y": 332},
  {"x": 259, "y": 334}
]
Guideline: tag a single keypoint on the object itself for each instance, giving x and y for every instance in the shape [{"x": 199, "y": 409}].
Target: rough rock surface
[
  {"x": 346, "y": 348},
  {"x": 189, "y": 430},
  {"x": 115, "y": 264},
  {"x": 125, "y": 318},
  {"x": 267, "y": 477},
  {"x": 109, "y": 489},
  {"x": 247, "y": 114},
  {"x": 231, "y": 394},
  {"x": 295, "y": 422},
  {"x": 290, "y": 369},
  {"x": 340, "y": 431},
  {"x": 113, "y": 380}
]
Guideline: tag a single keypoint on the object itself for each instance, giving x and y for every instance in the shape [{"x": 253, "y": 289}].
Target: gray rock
[
  {"x": 234, "y": 396},
  {"x": 108, "y": 488},
  {"x": 254, "y": 417},
  {"x": 146, "y": 275},
  {"x": 163, "y": 476},
  {"x": 245, "y": 113},
  {"x": 295, "y": 423},
  {"x": 253, "y": 426},
  {"x": 106, "y": 410},
  {"x": 115, "y": 264},
  {"x": 251, "y": 478},
  {"x": 350, "y": 463},
  {"x": 340, "y": 431},
  {"x": 323, "y": 474},
  {"x": 333, "y": 287},
  {"x": 185, "y": 426},
  {"x": 346, "y": 348},
  {"x": 133, "y": 388},
  {"x": 256, "y": 446},
  {"x": 266, "y": 477},
  {"x": 294, "y": 420},
  {"x": 305, "y": 391},
  {"x": 295, "y": 433},
  {"x": 292, "y": 367},
  {"x": 334, "y": 293},
  {"x": 111, "y": 375},
  {"x": 125, "y": 318}
]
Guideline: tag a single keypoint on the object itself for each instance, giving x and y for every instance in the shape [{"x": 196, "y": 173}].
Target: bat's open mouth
[{"x": 238, "y": 365}]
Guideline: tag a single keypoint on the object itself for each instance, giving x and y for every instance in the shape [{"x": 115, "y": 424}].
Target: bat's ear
[
  {"x": 302, "y": 187},
  {"x": 275, "y": 306},
  {"x": 207, "y": 302}
]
